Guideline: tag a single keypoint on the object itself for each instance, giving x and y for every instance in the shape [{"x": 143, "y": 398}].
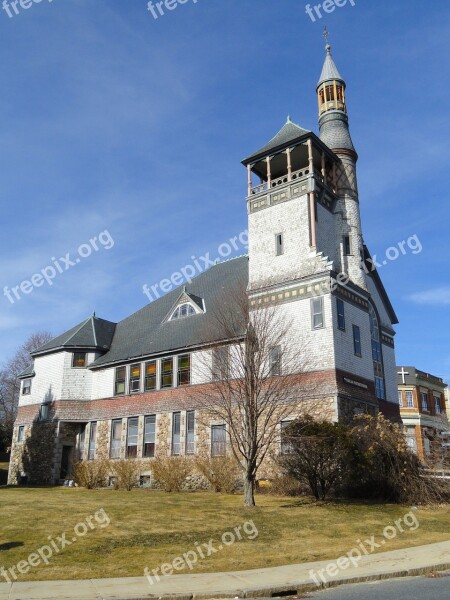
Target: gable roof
[
  {"x": 91, "y": 334},
  {"x": 147, "y": 332},
  {"x": 288, "y": 133}
]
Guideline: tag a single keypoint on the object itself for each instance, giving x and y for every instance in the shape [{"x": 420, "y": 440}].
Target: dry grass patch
[{"x": 148, "y": 528}]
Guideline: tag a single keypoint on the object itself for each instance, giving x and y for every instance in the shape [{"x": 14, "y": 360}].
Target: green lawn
[{"x": 148, "y": 528}]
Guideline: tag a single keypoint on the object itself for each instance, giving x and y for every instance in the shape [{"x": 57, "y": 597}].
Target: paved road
[{"x": 410, "y": 588}]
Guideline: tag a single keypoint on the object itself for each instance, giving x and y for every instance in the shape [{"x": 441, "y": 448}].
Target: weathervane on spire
[{"x": 326, "y": 35}]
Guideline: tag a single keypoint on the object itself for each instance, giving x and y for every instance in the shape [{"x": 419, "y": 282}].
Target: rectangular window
[
  {"x": 21, "y": 433},
  {"x": 409, "y": 399},
  {"x": 79, "y": 360},
  {"x": 135, "y": 379},
  {"x": 424, "y": 399},
  {"x": 119, "y": 386},
  {"x": 184, "y": 369},
  {"x": 275, "y": 361},
  {"x": 176, "y": 433},
  {"x": 167, "y": 373},
  {"x": 379, "y": 388},
  {"x": 218, "y": 440},
  {"x": 190, "y": 432},
  {"x": 116, "y": 438},
  {"x": 220, "y": 363},
  {"x": 132, "y": 437},
  {"x": 286, "y": 446},
  {"x": 340, "y": 314},
  {"x": 427, "y": 445},
  {"x": 150, "y": 376},
  {"x": 279, "y": 245},
  {"x": 376, "y": 351},
  {"x": 437, "y": 405},
  {"x": 26, "y": 387},
  {"x": 43, "y": 412},
  {"x": 317, "y": 313},
  {"x": 411, "y": 438},
  {"x": 92, "y": 440},
  {"x": 81, "y": 440},
  {"x": 347, "y": 247},
  {"x": 150, "y": 436},
  {"x": 357, "y": 340},
  {"x": 400, "y": 398}
]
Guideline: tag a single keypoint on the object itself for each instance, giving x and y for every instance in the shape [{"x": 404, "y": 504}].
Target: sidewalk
[{"x": 242, "y": 584}]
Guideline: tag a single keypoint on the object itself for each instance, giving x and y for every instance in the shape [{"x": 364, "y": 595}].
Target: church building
[{"x": 127, "y": 389}]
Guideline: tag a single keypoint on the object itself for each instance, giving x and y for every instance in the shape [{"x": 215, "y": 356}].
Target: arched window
[
  {"x": 377, "y": 356},
  {"x": 183, "y": 311}
]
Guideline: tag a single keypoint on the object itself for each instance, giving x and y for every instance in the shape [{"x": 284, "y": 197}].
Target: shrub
[
  {"x": 222, "y": 472},
  {"x": 284, "y": 485},
  {"x": 127, "y": 472},
  {"x": 170, "y": 472},
  {"x": 91, "y": 474}
]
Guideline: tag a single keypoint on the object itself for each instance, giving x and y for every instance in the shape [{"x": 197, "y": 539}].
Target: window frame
[
  {"x": 357, "y": 340},
  {"x": 347, "y": 246},
  {"x": 21, "y": 434},
  {"x": 176, "y": 434},
  {"x": 409, "y": 398},
  {"x": 184, "y": 370},
  {"x": 26, "y": 390},
  {"x": 285, "y": 447},
  {"x": 424, "y": 402},
  {"x": 437, "y": 405},
  {"x": 340, "y": 315},
  {"x": 178, "y": 315},
  {"x": 121, "y": 380},
  {"x": 43, "y": 412},
  {"x": 148, "y": 377},
  {"x": 92, "y": 446},
  {"x": 190, "y": 432},
  {"x": 279, "y": 244},
  {"x": 84, "y": 365},
  {"x": 276, "y": 368},
  {"x": 133, "y": 379},
  {"x": 400, "y": 398},
  {"x": 317, "y": 314},
  {"x": 167, "y": 373},
  {"x": 152, "y": 453},
  {"x": 114, "y": 449},
  {"x": 133, "y": 445},
  {"x": 222, "y": 451}
]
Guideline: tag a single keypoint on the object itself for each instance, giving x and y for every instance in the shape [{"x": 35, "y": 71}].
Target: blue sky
[{"x": 112, "y": 120}]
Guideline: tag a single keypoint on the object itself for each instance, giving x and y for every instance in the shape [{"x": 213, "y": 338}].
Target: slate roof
[
  {"x": 91, "y": 334},
  {"x": 329, "y": 69},
  {"x": 28, "y": 372},
  {"x": 146, "y": 333},
  {"x": 334, "y": 132},
  {"x": 288, "y": 133}
]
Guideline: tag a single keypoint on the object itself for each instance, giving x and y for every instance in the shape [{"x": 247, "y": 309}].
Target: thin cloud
[{"x": 436, "y": 296}]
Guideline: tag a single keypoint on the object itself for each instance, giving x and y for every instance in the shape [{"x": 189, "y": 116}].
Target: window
[
  {"x": 286, "y": 446},
  {"x": 317, "y": 313},
  {"x": 116, "y": 438},
  {"x": 150, "y": 376},
  {"x": 81, "y": 440},
  {"x": 357, "y": 340},
  {"x": 92, "y": 436},
  {"x": 21, "y": 433},
  {"x": 411, "y": 438},
  {"x": 167, "y": 373},
  {"x": 132, "y": 437},
  {"x": 346, "y": 243},
  {"x": 427, "y": 445},
  {"x": 409, "y": 399},
  {"x": 437, "y": 405},
  {"x": 26, "y": 387},
  {"x": 176, "y": 433},
  {"x": 190, "y": 432},
  {"x": 149, "y": 436},
  {"x": 340, "y": 314},
  {"x": 119, "y": 387},
  {"x": 379, "y": 388},
  {"x": 43, "y": 412},
  {"x": 400, "y": 398},
  {"x": 79, "y": 360},
  {"x": 135, "y": 379},
  {"x": 424, "y": 400},
  {"x": 279, "y": 245},
  {"x": 183, "y": 311},
  {"x": 218, "y": 440},
  {"x": 220, "y": 362},
  {"x": 275, "y": 361},
  {"x": 184, "y": 369}
]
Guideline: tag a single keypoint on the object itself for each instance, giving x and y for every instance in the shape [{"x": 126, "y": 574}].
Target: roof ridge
[
  {"x": 79, "y": 329},
  {"x": 93, "y": 330}
]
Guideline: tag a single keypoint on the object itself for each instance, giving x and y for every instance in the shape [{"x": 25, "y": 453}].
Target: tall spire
[{"x": 333, "y": 119}]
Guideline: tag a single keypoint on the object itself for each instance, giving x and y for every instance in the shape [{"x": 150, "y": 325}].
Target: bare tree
[
  {"x": 10, "y": 382},
  {"x": 254, "y": 379}
]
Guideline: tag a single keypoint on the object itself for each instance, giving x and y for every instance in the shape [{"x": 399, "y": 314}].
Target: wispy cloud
[{"x": 434, "y": 296}]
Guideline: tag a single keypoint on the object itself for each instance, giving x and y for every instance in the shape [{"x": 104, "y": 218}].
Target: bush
[
  {"x": 222, "y": 472},
  {"x": 127, "y": 472},
  {"x": 170, "y": 472},
  {"x": 91, "y": 474}
]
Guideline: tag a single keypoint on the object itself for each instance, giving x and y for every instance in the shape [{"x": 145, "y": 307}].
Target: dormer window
[{"x": 183, "y": 311}]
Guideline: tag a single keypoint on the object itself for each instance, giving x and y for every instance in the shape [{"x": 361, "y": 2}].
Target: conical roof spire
[{"x": 329, "y": 71}]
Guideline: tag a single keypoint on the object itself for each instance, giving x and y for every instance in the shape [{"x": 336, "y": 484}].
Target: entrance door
[{"x": 66, "y": 462}]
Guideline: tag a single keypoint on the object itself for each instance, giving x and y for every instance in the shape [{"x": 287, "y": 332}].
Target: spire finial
[
  {"x": 326, "y": 35},
  {"x": 288, "y": 120}
]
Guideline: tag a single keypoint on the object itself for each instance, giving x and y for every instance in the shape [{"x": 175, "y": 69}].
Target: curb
[{"x": 293, "y": 589}]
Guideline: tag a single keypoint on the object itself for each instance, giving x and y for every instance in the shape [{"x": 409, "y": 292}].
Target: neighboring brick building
[
  {"x": 128, "y": 389},
  {"x": 422, "y": 409}
]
